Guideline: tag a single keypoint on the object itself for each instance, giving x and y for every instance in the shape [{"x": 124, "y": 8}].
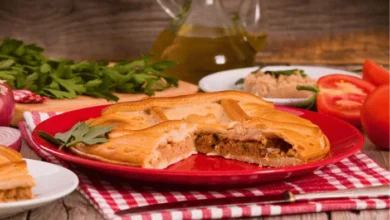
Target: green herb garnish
[
  {"x": 286, "y": 72},
  {"x": 25, "y": 67},
  {"x": 255, "y": 71},
  {"x": 311, "y": 102},
  {"x": 239, "y": 81},
  {"x": 79, "y": 133},
  {"x": 50, "y": 138},
  {"x": 359, "y": 71}
]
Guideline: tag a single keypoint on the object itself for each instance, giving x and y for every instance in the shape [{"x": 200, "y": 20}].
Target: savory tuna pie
[
  {"x": 15, "y": 182},
  {"x": 157, "y": 132}
]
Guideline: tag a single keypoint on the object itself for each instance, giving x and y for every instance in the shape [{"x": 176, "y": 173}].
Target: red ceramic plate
[{"x": 199, "y": 169}]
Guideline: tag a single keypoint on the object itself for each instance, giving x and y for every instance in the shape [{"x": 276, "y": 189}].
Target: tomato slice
[
  {"x": 342, "y": 96},
  {"x": 375, "y": 74}
]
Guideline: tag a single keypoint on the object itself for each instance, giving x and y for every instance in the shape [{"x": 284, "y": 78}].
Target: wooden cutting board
[{"x": 62, "y": 105}]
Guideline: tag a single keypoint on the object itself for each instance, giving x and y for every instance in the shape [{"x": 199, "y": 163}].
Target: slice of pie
[
  {"x": 157, "y": 132},
  {"x": 15, "y": 182}
]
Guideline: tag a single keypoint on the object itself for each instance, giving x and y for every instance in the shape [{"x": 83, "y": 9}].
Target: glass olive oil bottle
[{"x": 206, "y": 40}]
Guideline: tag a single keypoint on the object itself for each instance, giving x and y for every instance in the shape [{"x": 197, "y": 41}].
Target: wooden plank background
[{"x": 300, "y": 31}]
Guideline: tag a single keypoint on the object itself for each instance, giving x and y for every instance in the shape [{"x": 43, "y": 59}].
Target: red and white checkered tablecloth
[
  {"x": 108, "y": 195},
  {"x": 26, "y": 96}
]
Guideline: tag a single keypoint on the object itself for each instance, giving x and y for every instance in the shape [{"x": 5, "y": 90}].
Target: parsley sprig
[
  {"x": 81, "y": 132},
  {"x": 25, "y": 67}
]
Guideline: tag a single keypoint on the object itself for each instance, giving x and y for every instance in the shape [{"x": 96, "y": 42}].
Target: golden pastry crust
[
  {"x": 185, "y": 100},
  {"x": 231, "y": 124},
  {"x": 17, "y": 194},
  {"x": 9, "y": 155},
  {"x": 15, "y": 182}
]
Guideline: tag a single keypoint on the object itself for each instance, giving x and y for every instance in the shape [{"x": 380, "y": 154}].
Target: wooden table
[{"x": 75, "y": 206}]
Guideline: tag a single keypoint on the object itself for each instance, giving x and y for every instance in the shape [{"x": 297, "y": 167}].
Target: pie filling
[
  {"x": 16, "y": 194},
  {"x": 171, "y": 152},
  {"x": 273, "y": 152},
  {"x": 252, "y": 151},
  {"x": 266, "y": 148}
]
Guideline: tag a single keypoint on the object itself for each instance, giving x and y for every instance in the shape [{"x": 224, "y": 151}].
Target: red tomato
[
  {"x": 375, "y": 116},
  {"x": 375, "y": 74},
  {"x": 342, "y": 96}
]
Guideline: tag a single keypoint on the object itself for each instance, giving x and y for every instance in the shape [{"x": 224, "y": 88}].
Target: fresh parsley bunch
[{"x": 25, "y": 67}]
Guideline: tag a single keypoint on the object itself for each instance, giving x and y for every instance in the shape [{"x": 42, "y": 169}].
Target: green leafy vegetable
[
  {"x": 80, "y": 133},
  {"x": 25, "y": 67},
  {"x": 286, "y": 72}
]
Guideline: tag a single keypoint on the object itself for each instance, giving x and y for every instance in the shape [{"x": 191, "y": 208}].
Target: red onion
[
  {"x": 10, "y": 137},
  {"x": 7, "y": 104}
]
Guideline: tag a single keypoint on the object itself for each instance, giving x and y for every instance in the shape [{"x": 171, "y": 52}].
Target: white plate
[
  {"x": 52, "y": 182},
  {"x": 225, "y": 80}
]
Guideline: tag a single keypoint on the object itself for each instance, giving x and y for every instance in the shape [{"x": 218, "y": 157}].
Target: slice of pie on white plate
[{"x": 15, "y": 182}]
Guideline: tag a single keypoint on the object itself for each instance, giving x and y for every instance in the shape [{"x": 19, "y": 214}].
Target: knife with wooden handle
[{"x": 286, "y": 197}]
